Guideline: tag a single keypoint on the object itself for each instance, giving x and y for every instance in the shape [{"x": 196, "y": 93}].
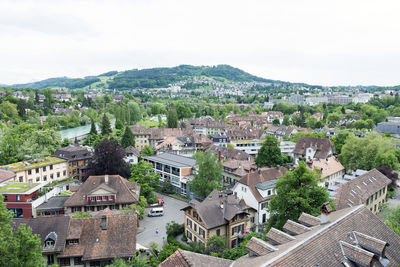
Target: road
[{"x": 148, "y": 226}]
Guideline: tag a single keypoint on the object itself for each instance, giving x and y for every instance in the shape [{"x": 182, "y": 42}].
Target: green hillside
[{"x": 149, "y": 78}]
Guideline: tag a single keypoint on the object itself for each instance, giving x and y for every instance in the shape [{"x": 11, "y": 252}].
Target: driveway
[{"x": 149, "y": 225}]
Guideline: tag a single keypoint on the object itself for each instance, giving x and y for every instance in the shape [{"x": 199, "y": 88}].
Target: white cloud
[{"x": 314, "y": 41}]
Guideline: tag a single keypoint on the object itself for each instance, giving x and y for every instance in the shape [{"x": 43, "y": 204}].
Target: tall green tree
[
  {"x": 208, "y": 174},
  {"x": 147, "y": 151},
  {"x": 93, "y": 129},
  {"x": 143, "y": 174},
  {"x": 18, "y": 246},
  {"x": 172, "y": 118},
  {"x": 269, "y": 154},
  {"x": 297, "y": 191},
  {"x": 128, "y": 139},
  {"x": 392, "y": 219},
  {"x": 105, "y": 126},
  {"x": 339, "y": 140}
]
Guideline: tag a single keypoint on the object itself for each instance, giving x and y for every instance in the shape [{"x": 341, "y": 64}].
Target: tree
[
  {"x": 216, "y": 244},
  {"x": 372, "y": 151},
  {"x": 119, "y": 124},
  {"x": 93, "y": 129},
  {"x": 108, "y": 158},
  {"x": 339, "y": 140},
  {"x": 40, "y": 143},
  {"x": 18, "y": 246},
  {"x": 9, "y": 109},
  {"x": 207, "y": 175},
  {"x": 297, "y": 191},
  {"x": 105, "y": 126},
  {"x": 172, "y": 118},
  {"x": 276, "y": 122},
  {"x": 21, "y": 106},
  {"x": 269, "y": 154},
  {"x": 147, "y": 151},
  {"x": 392, "y": 219},
  {"x": 173, "y": 228},
  {"x": 128, "y": 139},
  {"x": 139, "y": 208},
  {"x": 286, "y": 120},
  {"x": 143, "y": 174},
  {"x": 393, "y": 176}
]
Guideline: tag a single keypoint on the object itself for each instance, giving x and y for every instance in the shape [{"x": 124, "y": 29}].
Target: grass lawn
[
  {"x": 150, "y": 124},
  {"x": 19, "y": 166},
  {"x": 17, "y": 187}
]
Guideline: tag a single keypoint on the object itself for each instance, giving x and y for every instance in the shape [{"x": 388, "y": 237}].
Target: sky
[{"x": 351, "y": 42}]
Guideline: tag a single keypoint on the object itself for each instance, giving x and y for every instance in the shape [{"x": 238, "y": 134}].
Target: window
[
  {"x": 78, "y": 261},
  {"x": 380, "y": 192},
  {"x": 18, "y": 198},
  {"x": 98, "y": 198},
  {"x": 189, "y": 235},
  {"x": 384, "y": 190},
  {"x": 202, "y": 232},
  {"x": 64, "y": 262},
  {"x": 195, "y": 227},
  {"x": 376, "y": 195},
  {"x": 189, "y": 223},
  {"x": 49, "y": 243},
  {"x": 51, "y": 167},
  {"x": 5, "y": 198},
  {"x": 64, "y": 173},
  {"x": 29, "y": 172},
  {"x": 50, "y": 259},
  {"x": 58, "y": 175},
  {"x": 45, "y": 178},
  {"x": 218, "y": 232},
  {"x": 51, "y": 176},
  {"x": 37, "y": 179},
  {"x": 264, "y": 218},
  {"x": 73, "y": 242},
  {"x": 44, "y": 168},
  {"x": 375, "y": 207},
  {"x": 367, "y": 202},
  {"x": 21, "y": 179},
  {"x": 264, "y": 205},
  {"x": 269, "y": 192},
  {"x": 37, "y": 170},
  {"x": 244, "y": 189}
]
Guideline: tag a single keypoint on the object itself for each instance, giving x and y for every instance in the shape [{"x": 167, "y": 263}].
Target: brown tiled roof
[
  {"x": 239, "y": 167},
  {"x": 6, "y": 175},
  {"x": 43, "y": 226},
  {"x": 183, "y": 258},
  {"x": 74, "y": 152},
  {"x": 359, "y": 189},
  {"x": 117, "y": 241},
  {"x": 210, "y": 210},
  {"x": 321, "y": 245},
  {"x": 259, "y": 247},
  {"x": 295, "y": 228},
  {"x": 309, "y": 220},
  {"x": 370, "y": 243},
  {"x": 278, "y": 237},
  {"x": 126, "y": 192},
  {"x": 327, "y": 166},
  {"x": 230, "y": 153},
  {"x": 262, "y": 175},
  {"x": 323, "y": 146}
]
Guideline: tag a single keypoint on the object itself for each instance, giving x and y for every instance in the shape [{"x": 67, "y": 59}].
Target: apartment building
[
  {"x": 174, "y": 169},
  {"x": 234, "y": 170},
  {"x": 221, "y": 214},
  {"x": 44, "y": 170},
  {"x": 331, "y": 170},
  {"x": 78, "y": 158},
  {"x": 251, "y": 147}
]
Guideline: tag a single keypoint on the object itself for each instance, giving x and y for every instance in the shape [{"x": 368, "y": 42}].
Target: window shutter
[
  {"x": 88, "y": 199},
  {"x": 107, "y": 198}
]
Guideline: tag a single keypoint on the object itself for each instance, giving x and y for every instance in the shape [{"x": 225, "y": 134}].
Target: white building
[
  {"x": 256, "y": 189},
  {"x": 287, "y": 147},
  {"x": 251, "y": 147},
  {"x": 331, "y": 170},
  {"x": 132, "y": 155}
]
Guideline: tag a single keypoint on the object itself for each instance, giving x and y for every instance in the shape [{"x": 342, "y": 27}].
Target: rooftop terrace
[
  {"x": 17, "y": 187},
  {"x": 26, "y": 165}
]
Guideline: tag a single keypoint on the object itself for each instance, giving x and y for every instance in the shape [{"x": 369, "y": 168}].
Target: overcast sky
[{"x": 347, "y": 42}]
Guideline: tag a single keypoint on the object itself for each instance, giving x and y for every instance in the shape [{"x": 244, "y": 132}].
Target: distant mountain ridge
[{"x": 150, "y": 78}]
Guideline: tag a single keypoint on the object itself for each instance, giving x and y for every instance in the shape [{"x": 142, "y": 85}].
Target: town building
[
  {"x": 182, "y": 145},
  {"x": 142, "y": 135},
  {"x": 53, "y": 206},
  {"x": 18, "y": 197},
  {"x": 234, "y": 170},
  {"x": 369, "y": 189},
  {"x": 184, "y": 258},
  {"x": 132, "y": 155},
  {"x": 174, "y": 169},
  {"x": 310, "y": 148},
  {"x": 44, "y": 170},
  {"x": 389, "y": 127},
  {"x": 93, "y": 241},
  {"x": 220, "y": 214},
  {"x": 331, "y": 170},
  {"x": 225, "y": 153},
  {"x": 342, "y": 100},
  {"x": 256, "y": 189},
  {"x": 6, "y": 176},
  {"x": 272, "y": 115},
  {"x": 78, "y": 158},
  {"x": 100, "y": 192},
  {"x": 287, "y": 147},
  {"x": 219, "y": 140},
  {"x": 349, "y": 237},
  {"x": 250, "y": 147}
]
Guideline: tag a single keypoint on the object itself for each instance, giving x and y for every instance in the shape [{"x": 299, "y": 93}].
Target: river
[{"x": 71, "y": 133}]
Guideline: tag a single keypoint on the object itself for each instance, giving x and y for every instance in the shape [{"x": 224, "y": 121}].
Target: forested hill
[{"x": 150, "y": 78}]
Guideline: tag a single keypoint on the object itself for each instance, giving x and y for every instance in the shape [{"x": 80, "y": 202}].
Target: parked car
[{"x": 156, "y": 212}]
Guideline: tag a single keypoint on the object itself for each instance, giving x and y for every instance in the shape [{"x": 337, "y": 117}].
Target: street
[{"x": 149, "y": 225}]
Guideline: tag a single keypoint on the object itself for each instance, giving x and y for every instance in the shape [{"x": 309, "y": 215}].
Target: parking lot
[{"x": 149, "y": 225}]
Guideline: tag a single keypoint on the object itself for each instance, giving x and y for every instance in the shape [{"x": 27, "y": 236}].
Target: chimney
[
  {"x": 106, "y": 178},
  {"x": 325, "y": 211},
  {"x": 219, "y": 156},
  {"x": 104, "y": 223}
]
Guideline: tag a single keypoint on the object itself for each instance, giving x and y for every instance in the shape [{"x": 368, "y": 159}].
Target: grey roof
[
  {"x": 360, "y": 172},
  {"x": 172, "y": 160},
  {"x": 53, "y": 203},
  {"x": 73, "y": 152},
  {"x": 133, "y": 150},
  {"x": 266, "y": 184}
]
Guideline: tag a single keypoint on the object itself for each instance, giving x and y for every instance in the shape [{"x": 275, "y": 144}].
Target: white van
[{"x": 156, "y": 212}]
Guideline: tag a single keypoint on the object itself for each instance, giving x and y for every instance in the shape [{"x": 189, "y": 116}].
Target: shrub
[
  {"x": 174, "y": 228},
  {"x": 184, "y": 238},
  {"x": 81, "y": 214}
]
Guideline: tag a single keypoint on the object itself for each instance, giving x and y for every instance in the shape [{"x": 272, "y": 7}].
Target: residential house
[
  {"x": 78, "y": 158},
  {"x": 287, "y": 147},
  {"x": 234, "y": 170},
  {"x": 174, "y": 169},
  {"x": 132, "y": 155},
  {"x": 281, "y": 132},
  {"x": 369, "y": 189},
  {"x": 18, "y": 197},
  {"x": 225, "y": 153},
  {"x": 331, "y": 170},
  {"x": 310, "y": 148},
  {"x": 181, "y": 145},
  {"x": 251, "y": 147},
  {"x": 350, "y": 237},
  {"x": 202, "y": 142},
  {"x": 389, "y": 127},
  {"x": 272, "y": 115},
  {"x": 220, "y": 214},
  {"x": 44, "y": 170},
  {"x": 54, "y": 206},
  {"x": 84, "y": 242},
  {"x": 100, "y": 192},
  {"x": 219, "y": 140},
  {"x": 256, "y": 188},
  {"x": 141, "y": 134}
]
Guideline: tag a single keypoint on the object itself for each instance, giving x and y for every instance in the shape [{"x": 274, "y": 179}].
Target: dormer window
[
  {"x": 50, "y": 241},
  {"x": 73, "y": 242}
]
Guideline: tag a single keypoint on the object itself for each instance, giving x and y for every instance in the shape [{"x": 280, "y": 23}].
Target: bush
[
  {"x": 174, "y": 228},
  {"x": 391, "y": 193},
  {"x": 81, "y": 214},
  {"x": 184, "y": 238}
]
